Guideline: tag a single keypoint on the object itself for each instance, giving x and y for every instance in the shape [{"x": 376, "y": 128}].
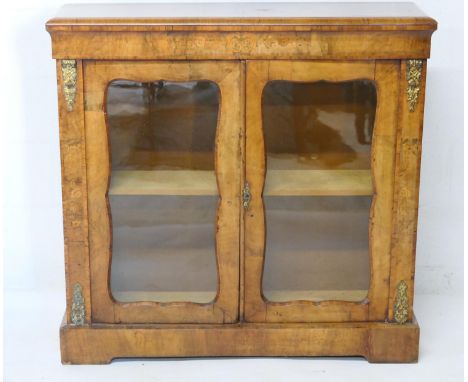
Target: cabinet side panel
[
  {"x": 406, "y": 196},
  {"x": 74, "y": 189}
]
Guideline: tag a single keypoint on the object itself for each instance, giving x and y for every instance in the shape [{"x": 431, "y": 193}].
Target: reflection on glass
[
  {"x": 318, "y": 189},
  {"x": 163, "y": 195}
]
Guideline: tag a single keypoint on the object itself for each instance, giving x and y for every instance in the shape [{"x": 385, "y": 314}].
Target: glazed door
[
  {"x": 320, "y": 141},
  {"x": 163, "y": 171}
]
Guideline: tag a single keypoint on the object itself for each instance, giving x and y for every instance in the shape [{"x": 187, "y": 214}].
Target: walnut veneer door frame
[
  {"x": 386, "y": 77},
  {"x": 227, "y": 75}
]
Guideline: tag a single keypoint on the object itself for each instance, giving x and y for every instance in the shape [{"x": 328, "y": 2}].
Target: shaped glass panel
[
  {"x": 163, "y": 195},
  {"x": 318, "y": 189}
]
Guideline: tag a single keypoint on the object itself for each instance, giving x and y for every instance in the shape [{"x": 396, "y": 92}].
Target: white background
[{"x": 33, "y": 239}]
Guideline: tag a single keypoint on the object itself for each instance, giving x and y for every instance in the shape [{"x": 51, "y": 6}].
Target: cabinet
[{"x": 240, "y": 179}]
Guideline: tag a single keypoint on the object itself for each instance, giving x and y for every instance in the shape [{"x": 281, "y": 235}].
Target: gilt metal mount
[
  {"x": 401, "y": 303},
  {"x": 246, "y": 196},
  {"x": 78, "y": 306},
  {"x": 413, "y": 77},
  {"x": 69, "y": 82}
]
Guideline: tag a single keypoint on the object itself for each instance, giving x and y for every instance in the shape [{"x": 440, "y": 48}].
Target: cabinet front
[
  {"x": 320, "y": 142},
  {"x": 163, "y": 175}
]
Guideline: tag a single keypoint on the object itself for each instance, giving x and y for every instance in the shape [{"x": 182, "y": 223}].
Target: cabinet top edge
[{"x": 319, "y": 16}]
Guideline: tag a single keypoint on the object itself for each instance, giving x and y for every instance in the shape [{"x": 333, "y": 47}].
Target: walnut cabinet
[{"x": 240, "y": 179}]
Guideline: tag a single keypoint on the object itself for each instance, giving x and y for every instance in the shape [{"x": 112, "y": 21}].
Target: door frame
[
  {"x": 386, "y": 76},
  {"x": 227, "y": 75}
]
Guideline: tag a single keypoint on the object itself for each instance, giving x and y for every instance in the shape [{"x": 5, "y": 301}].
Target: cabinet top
[{"x": 228, "y": 16}]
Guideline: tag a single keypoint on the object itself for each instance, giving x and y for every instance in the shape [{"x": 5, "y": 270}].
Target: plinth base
[{"x": 376, "y": 341}]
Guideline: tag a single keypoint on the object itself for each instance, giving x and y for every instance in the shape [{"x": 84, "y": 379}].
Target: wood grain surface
[
  {"x": 378, "y": 342},
  {"x": 241, "y": 48},
  {"x": 227, "y": 169},
  {"x": 374, "y": 307}
]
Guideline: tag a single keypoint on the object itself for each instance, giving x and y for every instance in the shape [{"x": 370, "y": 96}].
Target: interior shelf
[
  {"x": 315, "y": 295},
  {"x": 318, "y": 182},
  {"x": 163, "y": 182},
  {"x": 278, "y": 182},
  {"x": 208, "y": 296},
  {"x": 203, "y": 297}
]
